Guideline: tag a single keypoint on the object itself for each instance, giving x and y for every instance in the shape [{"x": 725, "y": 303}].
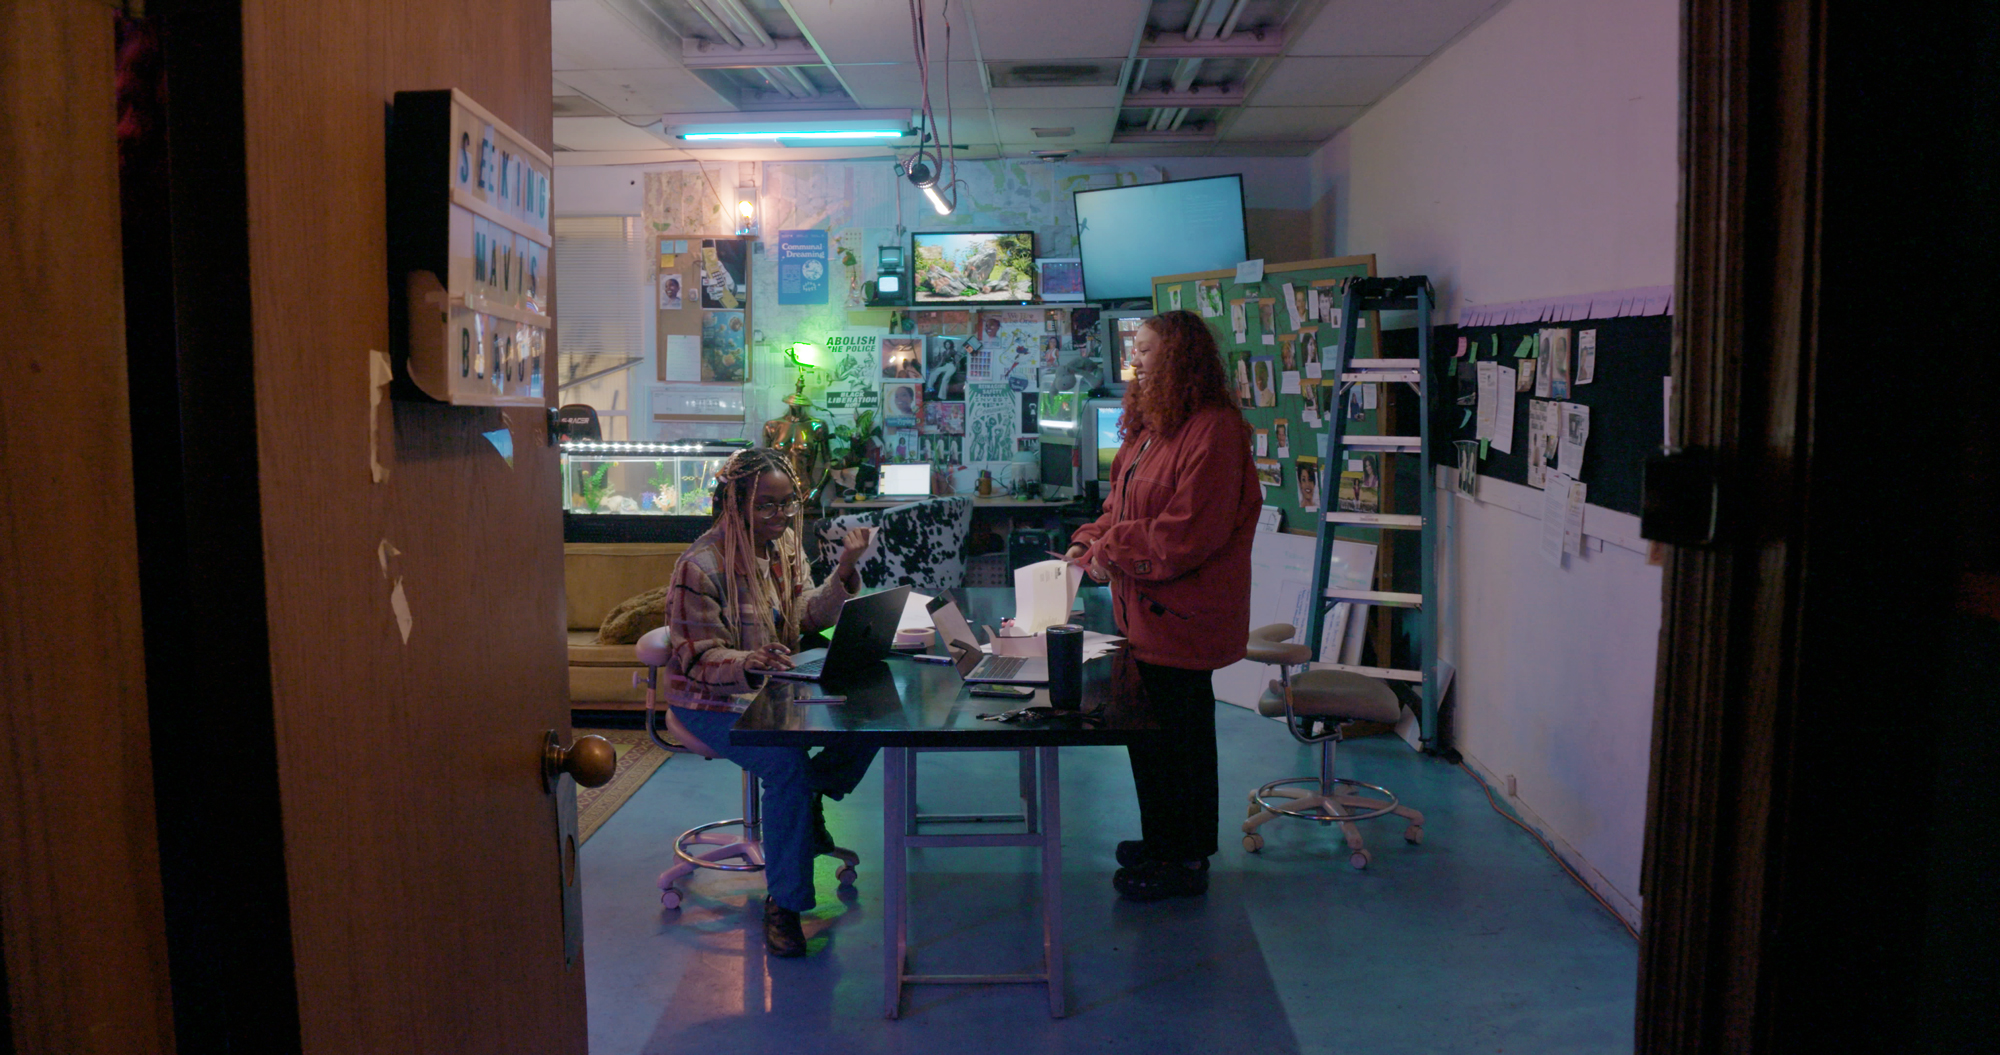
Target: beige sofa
[{"x": 596, "y": 577}]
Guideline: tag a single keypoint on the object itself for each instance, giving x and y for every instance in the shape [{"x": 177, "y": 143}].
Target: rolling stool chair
[
  {"x": 1331, "y": 698},
  {"x": 723, "y": 847}
]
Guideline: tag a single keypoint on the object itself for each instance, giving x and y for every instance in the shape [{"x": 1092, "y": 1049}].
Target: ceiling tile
[
  {"x": 895, "y": 84},
  {"x": 1388, "y": 27},
  {"x": 872, "y": 31},
  {"x": 1042, "y": 98},
  {"x": 589, "y": 36},
  {"x": 1285, "y": 123},
  {"x": 1011, "y": 30},
  {"x": 603, "y": 133},
  {"x": 1332, "y": 82},
  {"x": 648, "y": 92},
  {"x": 1266, "y": 149},
  {"x": 1092, "y": 126}
]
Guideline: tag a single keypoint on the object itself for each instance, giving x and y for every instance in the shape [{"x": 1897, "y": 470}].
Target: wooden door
[
  {"x": 361, "y": 855},
  {"x": 80, "y": 901},
  {"x": 421, "y": 852}
]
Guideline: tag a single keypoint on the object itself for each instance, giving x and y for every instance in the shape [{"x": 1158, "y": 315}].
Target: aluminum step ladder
[{"x": 1409, "y": 293}]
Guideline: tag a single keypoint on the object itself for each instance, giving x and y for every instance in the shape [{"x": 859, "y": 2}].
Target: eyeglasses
[{"x": 773, "y": 508}]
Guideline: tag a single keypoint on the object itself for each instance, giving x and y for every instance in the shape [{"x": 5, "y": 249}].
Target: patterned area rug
[{"x": 638, "y": 759}]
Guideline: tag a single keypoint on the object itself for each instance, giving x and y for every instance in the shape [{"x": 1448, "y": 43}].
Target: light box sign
[{"x": 469, "y": 251}]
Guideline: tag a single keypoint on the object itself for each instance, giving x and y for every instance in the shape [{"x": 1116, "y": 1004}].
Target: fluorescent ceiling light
[{"x": 869, "y": 133}]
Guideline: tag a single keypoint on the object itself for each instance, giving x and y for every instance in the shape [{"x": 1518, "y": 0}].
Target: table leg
[
  {"x": 895, "y": 874},
  {"x": 1051, "y": 827}
]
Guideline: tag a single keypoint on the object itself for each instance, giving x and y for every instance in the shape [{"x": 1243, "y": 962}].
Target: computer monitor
[
  {"x": 1098, "y": 429},
  {"x": 1058, "y": 468}
]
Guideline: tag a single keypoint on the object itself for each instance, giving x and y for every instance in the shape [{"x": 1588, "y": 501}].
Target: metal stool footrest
[
  {"x": 693, "y": 836},
  {"x": 1262, "y": 796}
]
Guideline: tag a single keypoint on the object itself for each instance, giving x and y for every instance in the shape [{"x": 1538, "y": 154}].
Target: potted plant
[{"x": 854, "y": 447}]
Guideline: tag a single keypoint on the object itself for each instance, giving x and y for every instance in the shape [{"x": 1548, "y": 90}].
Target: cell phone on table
[
  {"x": 829, "y": 700},
  {"x": 1005, "y": 692}
]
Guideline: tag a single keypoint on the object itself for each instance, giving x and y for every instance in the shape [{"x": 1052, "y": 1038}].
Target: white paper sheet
[
  {"x": 683, "y": 357},
  {"x": 1573, "y": 517},
  {"x": 916, "y": 614},
  {"x": 1288, "y": 383},
  {"x": 1503, "y": 411},
  {"x": 1483, "y": 420},
  {"x": 1250, "y": 271},
  {"x": 1292, "y": 305},
  {"x": 1555, "y": 514},
  {"x": 1570, "y": 442},
  {"x": 1044, "y": 593},
  {"x": 1586, "y": 356}
]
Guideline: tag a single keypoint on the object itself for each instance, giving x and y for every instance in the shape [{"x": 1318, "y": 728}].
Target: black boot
[
  {"x": 822, "y": 840},
  {"x": 1154, "y": 880},
  {"x": 783, "y": 936},
  {"x": 1132, "y": 853}
]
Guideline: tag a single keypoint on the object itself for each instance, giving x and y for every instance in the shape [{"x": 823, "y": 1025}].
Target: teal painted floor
[{"x": 1473, "y": 942}]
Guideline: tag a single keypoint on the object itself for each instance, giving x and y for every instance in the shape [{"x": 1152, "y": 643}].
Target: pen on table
[{"x": 925, "y": 657}]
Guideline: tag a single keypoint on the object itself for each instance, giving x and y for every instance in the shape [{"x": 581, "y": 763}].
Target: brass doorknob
[{"x": 589, "y": 761}]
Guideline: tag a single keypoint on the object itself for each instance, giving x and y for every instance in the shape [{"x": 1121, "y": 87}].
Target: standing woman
[
  {"x": 742, "y": 596},
  {"x": 1174, "y": 542}
]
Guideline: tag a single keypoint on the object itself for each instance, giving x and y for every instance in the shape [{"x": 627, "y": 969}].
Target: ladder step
[
  {"x": 1400, "y": 444},
  {"x": 1375, "y": 365},
  {"x": 1386, "y": 673},
  {"x": 1381, "y": 597},
  {"x": 1402, "y": 521},
  {"x": 1382, "y": 376}
]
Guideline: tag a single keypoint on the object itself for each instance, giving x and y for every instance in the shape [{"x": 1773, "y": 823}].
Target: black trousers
[{"x": 1178, "y": 796}]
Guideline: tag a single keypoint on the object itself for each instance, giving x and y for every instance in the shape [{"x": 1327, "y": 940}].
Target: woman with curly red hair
[{"x": 1174, "y": 542}]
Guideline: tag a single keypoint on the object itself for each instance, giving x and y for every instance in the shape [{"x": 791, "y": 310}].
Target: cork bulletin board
[
  {"x": 703, "y": 309},
  {"x": 1274, "y": 359}
]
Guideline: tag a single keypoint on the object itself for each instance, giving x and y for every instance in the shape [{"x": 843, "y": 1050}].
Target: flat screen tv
[
  {"x": 979, "y": 267},
  {"x": 1128, "y": 235}
]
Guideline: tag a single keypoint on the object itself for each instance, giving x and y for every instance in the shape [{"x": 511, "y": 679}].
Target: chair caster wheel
[
  {"x": 845, "y": 873},
  {"x": 671, "y": 898},
  {"x": 1253, "y": 842},
  {"x": 1358, "y": 860},
  {"x": 1414, "y": 835}
]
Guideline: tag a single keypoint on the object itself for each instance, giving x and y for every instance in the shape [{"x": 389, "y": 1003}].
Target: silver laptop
[
  {"x": 865, "y": 636},
  {"x": 905, "y": 481},
  {"x": 977, "y": 667}
]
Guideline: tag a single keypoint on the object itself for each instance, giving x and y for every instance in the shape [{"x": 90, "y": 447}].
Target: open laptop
[
  {"x": 975, "y": 666},
  {"x": 905, "y": 481},
  {"x": 862, "y": 638}
]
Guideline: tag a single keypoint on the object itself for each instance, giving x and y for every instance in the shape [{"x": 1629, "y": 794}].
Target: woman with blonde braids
[{"x": 742, "y": 596}]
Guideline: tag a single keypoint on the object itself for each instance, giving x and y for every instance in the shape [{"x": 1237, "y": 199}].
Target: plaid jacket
[{"x": 707, "y": 644}]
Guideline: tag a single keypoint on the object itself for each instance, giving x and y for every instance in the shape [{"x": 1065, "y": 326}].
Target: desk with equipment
[{"x": 907, "y": 705}]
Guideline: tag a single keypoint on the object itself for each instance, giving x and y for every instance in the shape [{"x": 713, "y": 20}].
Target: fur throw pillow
[{"x": 629, "y": 621}]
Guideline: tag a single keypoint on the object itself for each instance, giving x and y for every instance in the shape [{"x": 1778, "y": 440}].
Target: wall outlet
[{"x": 1511, "y": 791}]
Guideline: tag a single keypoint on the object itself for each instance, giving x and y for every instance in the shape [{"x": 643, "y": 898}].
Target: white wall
[{"x": 1536, "y": 157}]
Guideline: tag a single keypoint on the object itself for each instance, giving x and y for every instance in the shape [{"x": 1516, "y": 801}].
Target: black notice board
[{"x": 1624, "y": 398}]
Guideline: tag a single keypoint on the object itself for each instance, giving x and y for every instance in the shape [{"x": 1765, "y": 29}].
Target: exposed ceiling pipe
[
  {"x": 782, "y": 85},
  {"x": 715, "y": 22},
  {"x": 1128, "y": 73},
  {"x": 1180, "y": 115},
  {"x": 986, "y": 83},
  {"x": 1194, "y": 20},
  {"x": 1229, "y": 24},
  {"x": 805, "y": 83},
  {"x": 750, "y": 24},
  {"x": 1184, "y": 73}
]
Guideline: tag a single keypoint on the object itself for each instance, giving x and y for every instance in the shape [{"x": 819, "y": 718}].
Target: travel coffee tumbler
[{"x": 1065, "y": 643}]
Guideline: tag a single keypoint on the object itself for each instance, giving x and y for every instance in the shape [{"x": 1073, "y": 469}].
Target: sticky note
[{"x": 1483, "y": 444}]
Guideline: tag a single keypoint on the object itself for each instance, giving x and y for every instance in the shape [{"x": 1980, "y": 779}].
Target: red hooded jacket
[{"x": 1176, "y": 532}]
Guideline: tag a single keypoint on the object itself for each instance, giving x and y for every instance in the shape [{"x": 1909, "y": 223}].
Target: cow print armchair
[{"x": 921, "y": 544}]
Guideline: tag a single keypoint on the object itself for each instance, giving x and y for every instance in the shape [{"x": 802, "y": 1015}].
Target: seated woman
[{"x": 742, "y": 596}]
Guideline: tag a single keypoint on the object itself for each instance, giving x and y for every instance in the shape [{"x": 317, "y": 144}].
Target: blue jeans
[{"x": 790, "y": 778}]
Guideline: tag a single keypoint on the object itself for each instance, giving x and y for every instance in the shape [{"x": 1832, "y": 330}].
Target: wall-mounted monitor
[
  {"x": 979, "y": 267},
  {"x": 1128, "y": 235}
]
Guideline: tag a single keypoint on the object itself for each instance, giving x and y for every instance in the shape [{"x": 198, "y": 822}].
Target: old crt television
[
  {"x": 977, "y": 267},
  {"x": 1056, "y": 424},
  {"x": 1128, "y": 235}
]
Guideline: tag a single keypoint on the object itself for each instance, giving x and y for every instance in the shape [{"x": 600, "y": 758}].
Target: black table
[{"x": 905, "y": 706}]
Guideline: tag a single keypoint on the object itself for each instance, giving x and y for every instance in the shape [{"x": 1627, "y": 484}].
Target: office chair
[
  {"x": 1317, "y": 706},
  {"x": 722, "y": 847}
]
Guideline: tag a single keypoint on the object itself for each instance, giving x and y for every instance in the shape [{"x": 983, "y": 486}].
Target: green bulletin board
[{"x": 1211, "y": 294}]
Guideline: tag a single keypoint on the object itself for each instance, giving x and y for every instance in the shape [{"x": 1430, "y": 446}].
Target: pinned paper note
[
  {"x": 1487, "y": 405},
  {"x": 502, "y": 441},
  {"x": 383, "y": 551},
  {"x": 1571, "y": 440},
  {"x": 1250, "y": 271},
  {"x": 1555, "y": 514},
  {"x": 399, "y": 603},
  {"x": 1503, "y": 409},
  {"x": 1586, "y": 356}
]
